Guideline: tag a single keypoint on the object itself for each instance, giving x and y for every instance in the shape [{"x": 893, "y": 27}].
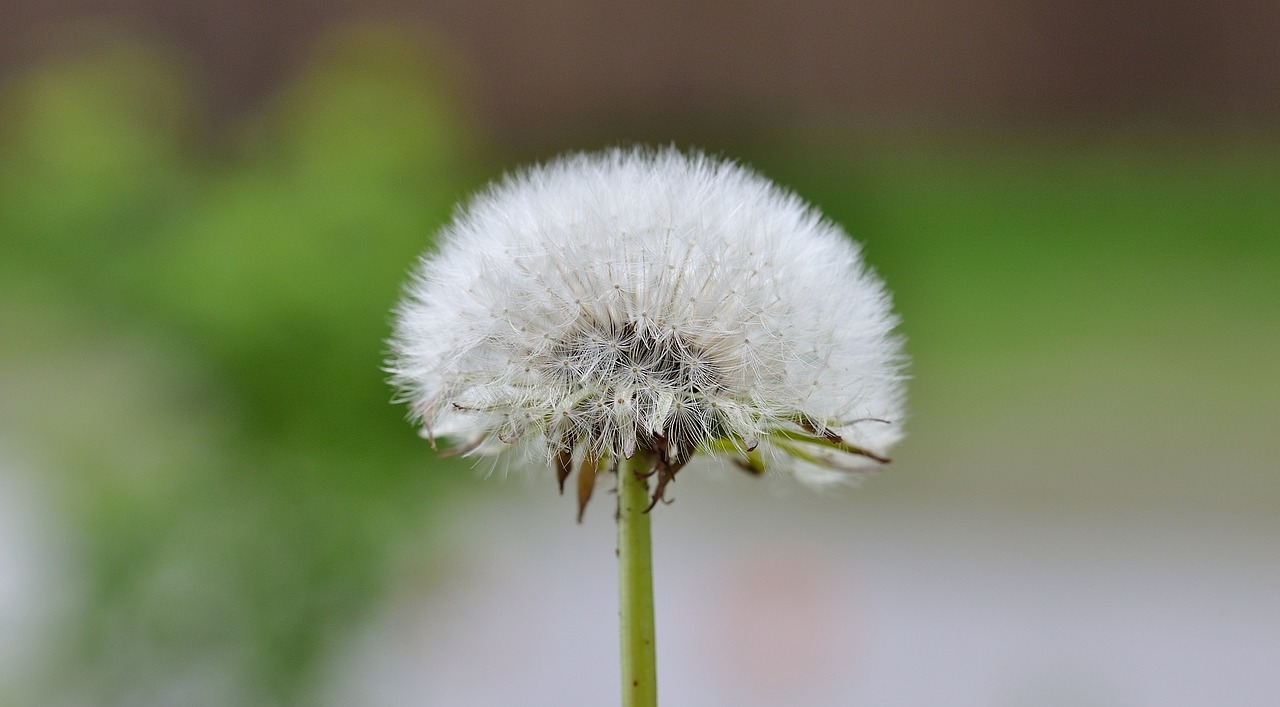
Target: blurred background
[{"x": 207, "y": 210}]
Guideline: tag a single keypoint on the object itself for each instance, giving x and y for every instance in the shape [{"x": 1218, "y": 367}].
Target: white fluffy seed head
[{"x": 608, "y": 303}]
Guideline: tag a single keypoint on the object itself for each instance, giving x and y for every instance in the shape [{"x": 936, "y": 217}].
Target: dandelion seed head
[{"x": 604, "y": 304}]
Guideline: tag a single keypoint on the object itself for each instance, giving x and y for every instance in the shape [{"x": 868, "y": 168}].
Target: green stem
[{"x": 635, "y": 586}]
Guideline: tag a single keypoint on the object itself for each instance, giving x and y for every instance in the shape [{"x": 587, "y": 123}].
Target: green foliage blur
[
  {"x": 1092, "y": 319},
  {"x": 200, "y": 338},
  {"x": 194, "y": 334}
]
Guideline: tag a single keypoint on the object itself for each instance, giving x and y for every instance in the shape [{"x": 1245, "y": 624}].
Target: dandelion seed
[{"x": 628, "y": 302}]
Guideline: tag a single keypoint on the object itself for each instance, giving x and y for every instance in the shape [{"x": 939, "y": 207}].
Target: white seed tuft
[{"x": 608, "y": 303}]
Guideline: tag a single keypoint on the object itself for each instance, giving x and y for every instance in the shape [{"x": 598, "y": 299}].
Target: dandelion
[
  {"x": 642, "y": 310},
  {"x": 605, "y": 305}
]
